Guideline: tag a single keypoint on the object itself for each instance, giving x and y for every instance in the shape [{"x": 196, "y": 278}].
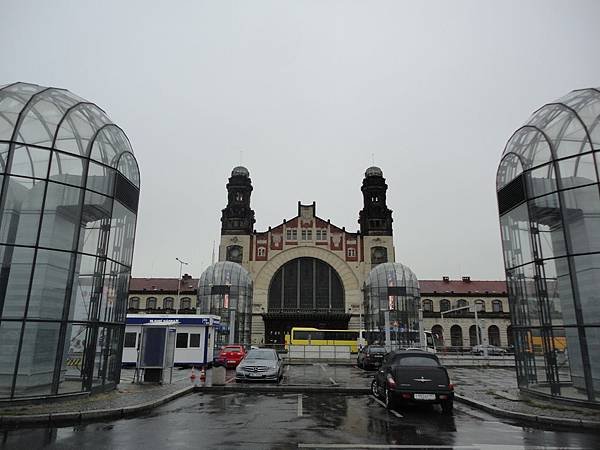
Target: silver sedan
[{"x": 260, "y": 364}]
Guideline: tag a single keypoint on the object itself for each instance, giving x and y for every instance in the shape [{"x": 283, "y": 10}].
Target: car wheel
[
  {"x": 374, "y": 389},
  {"x": 447, "y": 406}
]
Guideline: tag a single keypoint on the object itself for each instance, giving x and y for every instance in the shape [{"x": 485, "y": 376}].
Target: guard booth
[{"x": 156, "y": 357}]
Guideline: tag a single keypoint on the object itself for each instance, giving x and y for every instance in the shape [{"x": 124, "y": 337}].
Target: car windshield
[
  {"x": 376, "y": 350},
  {"x": 262, "y": 354},
  {"x": 415, "y": 361}
]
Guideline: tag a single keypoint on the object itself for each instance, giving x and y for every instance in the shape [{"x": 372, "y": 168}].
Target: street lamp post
[
  {"x": 477, "y": 329},
  {"x": 181, "y": 263}
]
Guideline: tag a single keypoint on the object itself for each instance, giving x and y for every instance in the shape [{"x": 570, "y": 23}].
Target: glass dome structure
[
  {"x": 225, "y": 289},
  {"x": 549, "y": 205},
  {"x": 391, "y": 303},
  {"x": 68, "y": 207}
]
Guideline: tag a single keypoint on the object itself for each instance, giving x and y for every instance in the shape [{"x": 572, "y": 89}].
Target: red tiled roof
[
  {"x": 429, "y": 287},
  {"x": 162, "y": 284}
]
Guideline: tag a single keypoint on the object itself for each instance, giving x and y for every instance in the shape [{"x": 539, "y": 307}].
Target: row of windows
[
  {"x": 183, "y": 340},
  {"x": 446, "y": 305},
  {"x": 168, "y": 303},
  {"x": 456, "y": 335},
  {"x": 291, "y": 234}
]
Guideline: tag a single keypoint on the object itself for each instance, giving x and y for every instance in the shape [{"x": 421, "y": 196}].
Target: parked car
[
  {"x": 231, "y": 355},
  {"x": 492, "y": 350},
  {"x": 370, "y": 356},
  {"x": 413, "y": 376},
  {"x": 260, "y": 364}
]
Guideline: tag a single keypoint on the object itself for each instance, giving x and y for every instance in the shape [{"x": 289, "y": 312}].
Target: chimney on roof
[
  {"x": 446, "y": 279},
  {"x": 466, "y": 279}
]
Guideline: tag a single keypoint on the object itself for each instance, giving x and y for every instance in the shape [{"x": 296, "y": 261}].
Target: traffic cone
[
  {"x": 202, "y": 374},
  {"x": 193, "y": 374}
]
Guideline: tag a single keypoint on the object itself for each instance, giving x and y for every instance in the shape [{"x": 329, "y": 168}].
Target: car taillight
[
  {"x": 390, "y": 381},
  {"x": 451, "y": 386},
  {"x": 406, "y": 395}
]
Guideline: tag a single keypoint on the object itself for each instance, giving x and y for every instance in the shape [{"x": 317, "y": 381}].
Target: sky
[{"x": 306, "y": 95}]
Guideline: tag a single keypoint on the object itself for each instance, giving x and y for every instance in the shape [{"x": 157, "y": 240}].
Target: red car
[{"x": 231, "y": 355}]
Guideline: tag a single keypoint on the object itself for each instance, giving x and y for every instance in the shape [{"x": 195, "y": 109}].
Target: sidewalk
[{"x": 496, "y": 391}]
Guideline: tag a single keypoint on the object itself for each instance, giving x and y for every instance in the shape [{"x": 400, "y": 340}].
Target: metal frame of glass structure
[
  {"x": 391, "y": 302},
  {"x": 225, "y": 289},
  {"x": 549, "y": 205},
  {"x": 68, "y": 208}
]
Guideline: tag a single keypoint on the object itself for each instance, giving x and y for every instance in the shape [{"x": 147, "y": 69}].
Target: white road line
[
  {"x": 467, "y": 447},
  {"x": 299, "y": 405},
  {"x": 332, "y": 380},
  {"x": 396, "y": 413}
]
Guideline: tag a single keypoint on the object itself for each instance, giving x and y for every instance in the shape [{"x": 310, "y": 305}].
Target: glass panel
[
  {"x": 275, "y": 292},
  {"x": 322, "y": 284},
  {"x": 541, "y": 181},
  {"x": 37, "y": 359},
  {"x": 79, "y": 127},
  {"x": 128, "y": 167},
  {"x": 87, "y": 289},
  {"x": 122, "y": 234},
  {"x": 60, "y": 223},
  {"x": 290, "y": 285},
  {"x": 30, "y": 161},
  {"x": 66, "y": 169},
  {"x": 587, "y": 273},
  {"x": 71, "y": 374},
  {"x": 50, "y": 285},
  {"x": 577, "y": 171},
  {"x": 548, "y": 232},
  {"x": 95, "y": 224},
  {"x": 593, "y": 343},
  {"x": 306, "y": 283},
  {"x": 14, "y": 279},
  {"x": 582, "y": 218},
  {"x": 113, "y": 359},
  {"x": 100, "y": 179},
  {"x": 3, "y": 153},
  {"x": 9, "y": 345},
  {"x": 21, "y": 214},
  {"x": 40, "y": 122},
  {"x": 514, "y": 226}
]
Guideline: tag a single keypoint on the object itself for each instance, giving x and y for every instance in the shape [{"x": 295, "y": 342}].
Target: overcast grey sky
[{"x": 308, "y": 90}]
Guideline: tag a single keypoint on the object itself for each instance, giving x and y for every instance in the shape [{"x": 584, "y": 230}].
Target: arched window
[
  {"x": 438, "y": 335},
  {"x": 473, "y": 336},
  {"x": 427, "y": 305},
  {"x": 168, "y": 303},
  {"x": 480, "y": 305},
  {"x": 509, "y": 336},
  {"x": 496, "y": 306},
  {"x": 456, "y": 338},
  {"x": 261, "y": 251},
  {"x": 151, "y": 303},
  {"x": 444, "y": 305},
  {"x": 460, "y": 303},
  {"x": 134, "y": 303},
  {"x": 494, "y": 335},
  {"x": 185, "y": 303},
  {"x": 306, "y": 284}
]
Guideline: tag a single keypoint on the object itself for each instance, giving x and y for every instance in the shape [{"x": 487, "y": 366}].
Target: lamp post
[
  {"x": 181, "y": 263},
  {"x": 477, "y": 329}
]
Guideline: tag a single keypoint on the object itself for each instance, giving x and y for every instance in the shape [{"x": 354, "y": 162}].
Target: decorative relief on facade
[
  {"x": 336, "y": 241},
  {"x": 276, "y": 241}
]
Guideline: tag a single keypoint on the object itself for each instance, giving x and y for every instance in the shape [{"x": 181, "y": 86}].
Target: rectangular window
[
  {"x": 321, "y": 235},
  {"x": 303, "y": 235},
  {"x": 307, "y": 235},
  {"x": 194, "y": 340},
  {"x": 351, "y": 252},
  {"x": 291, "y": 234},
  {"x": 182, "y": 340},
  {"x": 130, "y": 339}
]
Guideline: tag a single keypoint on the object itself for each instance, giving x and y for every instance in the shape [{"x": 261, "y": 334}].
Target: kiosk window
[
  {"x": 194, "y": 340},
  {"x": 182, "y": 340},
  {"x": 130, "y": 339}
]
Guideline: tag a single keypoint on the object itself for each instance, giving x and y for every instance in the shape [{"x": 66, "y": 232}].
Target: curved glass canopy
[
  {"x": 225, "y": 289},
  {"x": 69, "y": 197},
  {"x": 392, "y": 298},
  {"x": 549, "y": 205}
]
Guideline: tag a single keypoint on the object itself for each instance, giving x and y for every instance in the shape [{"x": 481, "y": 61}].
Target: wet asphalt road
[{"x": 251, "y": 421}]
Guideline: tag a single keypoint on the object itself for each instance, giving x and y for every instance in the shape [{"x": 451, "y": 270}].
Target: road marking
[
  {"x": 230, "y": 380},
  {"x": 299, "y": 405},
  {"x": 332, "y": 381},
  {"x": 472, "y": 446},
  {"x": 394, "y": 412}
]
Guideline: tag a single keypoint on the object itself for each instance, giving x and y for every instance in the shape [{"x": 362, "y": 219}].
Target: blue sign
[{"x": 175, "y": 319}]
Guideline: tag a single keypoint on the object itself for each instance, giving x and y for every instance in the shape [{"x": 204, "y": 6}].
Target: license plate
[
  {"x": 231, "y": 361},
  {"x": 424, "y": 396},
  {"x": 254, "y": 375}
]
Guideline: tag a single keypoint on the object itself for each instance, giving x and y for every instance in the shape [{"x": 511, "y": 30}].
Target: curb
[
  {"x": 545, "y": 420},
  {"x": 97, "y": 414},
  {"x": 295, "y": 389}
]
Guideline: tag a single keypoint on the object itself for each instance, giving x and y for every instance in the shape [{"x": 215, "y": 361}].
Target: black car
[
  {"x": 413, "y": 376},
  {"x": 370, "y": 356}
]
